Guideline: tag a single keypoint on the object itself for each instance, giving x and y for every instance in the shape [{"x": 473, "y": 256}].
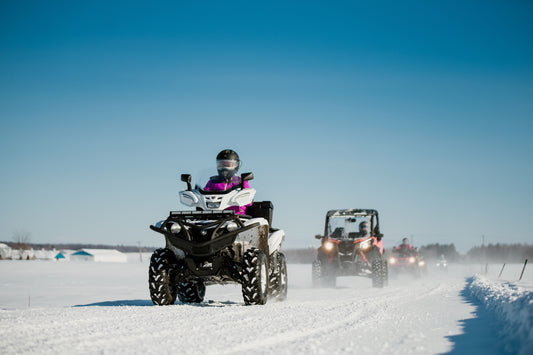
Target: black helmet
[
  {"x": 405, "y": 241},
  {"x": 228, "y": 163},
  {"x": 363, "y": 227}
]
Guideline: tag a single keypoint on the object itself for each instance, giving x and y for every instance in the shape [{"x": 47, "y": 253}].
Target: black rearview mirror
[
  {"x": 246, "y": 177},
  {"x": 187, "y": 178}
]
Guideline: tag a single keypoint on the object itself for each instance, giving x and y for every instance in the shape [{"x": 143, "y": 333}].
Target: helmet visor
[{"x": 228, "y": 164}]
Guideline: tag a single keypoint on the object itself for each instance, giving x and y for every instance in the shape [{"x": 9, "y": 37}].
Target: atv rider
[
  {"x": 228, "y": 164},
  {"x": 405, "y": 247},
  {"x": 364, "y": 231}
]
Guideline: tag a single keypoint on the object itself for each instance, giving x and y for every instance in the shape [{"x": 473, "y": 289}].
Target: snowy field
[{"x": 49, "y": 307}]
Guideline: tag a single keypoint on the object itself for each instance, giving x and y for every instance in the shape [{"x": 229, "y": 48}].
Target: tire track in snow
[{"x": 353, "y": 314}]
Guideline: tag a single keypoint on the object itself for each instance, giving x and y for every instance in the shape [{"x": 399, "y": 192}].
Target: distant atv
[
  {"x": 345, "y": 251},
  {"x": 442, "y": 263},
  {"x": 213, "y": 245},
  {"x": 407, "y": 262}
]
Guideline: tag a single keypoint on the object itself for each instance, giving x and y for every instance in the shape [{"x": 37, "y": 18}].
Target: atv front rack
[
  {"x": 216, "y": 220},
  {"x": 200, "y": 214}
]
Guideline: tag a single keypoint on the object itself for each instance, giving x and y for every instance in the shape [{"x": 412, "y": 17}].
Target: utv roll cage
[{"x": 372, "y": 214}]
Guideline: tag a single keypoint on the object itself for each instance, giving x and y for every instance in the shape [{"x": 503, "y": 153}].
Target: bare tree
[{"x": 21, "y": 239}]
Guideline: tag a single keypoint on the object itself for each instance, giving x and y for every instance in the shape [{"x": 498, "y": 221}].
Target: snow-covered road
[{"x": 95, "y": 308}]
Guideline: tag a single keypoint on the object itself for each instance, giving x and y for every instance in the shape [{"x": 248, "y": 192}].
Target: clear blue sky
[{"x": 422, "y": 110}]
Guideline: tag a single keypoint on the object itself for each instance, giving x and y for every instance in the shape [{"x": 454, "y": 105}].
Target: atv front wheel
[
  {"x": 255, "y": 277},
  {"x": 161, "y": 277},
  {"x": 191, "y": 291}
]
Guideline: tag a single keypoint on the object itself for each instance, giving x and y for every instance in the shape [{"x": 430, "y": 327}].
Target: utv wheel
[
  {"x": 376, "y": 264},
  {"x": 161, "y": 277},
  {"x": 255, "y": 277},
  {"x": 191, "y": 291},
  {"x": 278, "y": 277}
]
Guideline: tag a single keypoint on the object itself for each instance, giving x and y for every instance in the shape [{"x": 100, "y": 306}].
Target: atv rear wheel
[
  {"x": 278, "y": 276},
  {"x": 255, "y": 277},
  {"x": 191, "y": 291},
  {"x": 161, "y": 277}
]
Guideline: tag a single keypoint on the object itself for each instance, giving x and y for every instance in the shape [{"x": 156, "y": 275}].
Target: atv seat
[
  {"x": 337, "y": 233},
  {"x": 262, "y": 209},
  {"x": 354, "y": 235}
]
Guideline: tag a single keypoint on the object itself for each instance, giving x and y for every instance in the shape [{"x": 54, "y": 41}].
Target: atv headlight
[
  {"x": 231, "y": 226},
  {"x": 175, "y": 228},
  {"x": 421, "y": 263},
  {"x": 213, "y": 204},
  {"x": 329, "y": 245},
  {"x": 412, "y": 260},
  {"x": 392, "y": 261}
]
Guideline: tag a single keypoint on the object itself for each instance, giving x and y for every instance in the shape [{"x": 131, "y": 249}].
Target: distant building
[
  {"x": 99, "y": 255},
  {"x": 60, "y": 256}
]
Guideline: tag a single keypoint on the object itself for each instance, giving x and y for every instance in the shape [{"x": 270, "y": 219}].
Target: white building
[{"x": 99, "y": 255}]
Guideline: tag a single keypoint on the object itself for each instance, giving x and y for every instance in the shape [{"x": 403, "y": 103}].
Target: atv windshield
[{"x": 347, "y": 227}]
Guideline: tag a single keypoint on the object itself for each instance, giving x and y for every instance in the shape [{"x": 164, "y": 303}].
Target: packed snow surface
[{"x": 104, "y": 308}]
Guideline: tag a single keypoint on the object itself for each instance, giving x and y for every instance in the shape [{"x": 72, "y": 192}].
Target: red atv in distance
[
  {"x": 347, "y": 249},
  {"x": 408, "y": 261}
]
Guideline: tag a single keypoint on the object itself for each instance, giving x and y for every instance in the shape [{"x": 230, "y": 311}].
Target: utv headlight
[
  {"x": 175, "y": 228},
  {"x": 412, "y": 260},
  {"x": 421, "y": 263},
  {"x": 365, "y": 245},
  {"x": 392, "y": 261},
  {"x": 231, "y": 226},
  {"x": 329, "y": 245}
]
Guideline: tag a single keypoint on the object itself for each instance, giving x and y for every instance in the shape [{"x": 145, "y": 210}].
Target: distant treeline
[
  {"x": 300, "y": 256},
  {"x": 501, "y": 253},
  {"x": 435, "y": 251},
  {"x": 77, "y": 246}
]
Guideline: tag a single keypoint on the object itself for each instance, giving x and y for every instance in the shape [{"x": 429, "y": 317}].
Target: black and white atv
[{"x": 213, "y": 245}]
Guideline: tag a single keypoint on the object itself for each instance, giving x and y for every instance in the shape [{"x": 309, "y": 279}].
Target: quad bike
[
  {"x": 345, "y": 251},
  {"x": 213, "y": 245},
  {"x": 408, "y": 262},
  {"x": 442, "y": 263}
]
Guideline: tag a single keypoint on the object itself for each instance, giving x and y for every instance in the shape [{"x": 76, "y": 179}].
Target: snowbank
[{"x": 513, "y": 307}]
